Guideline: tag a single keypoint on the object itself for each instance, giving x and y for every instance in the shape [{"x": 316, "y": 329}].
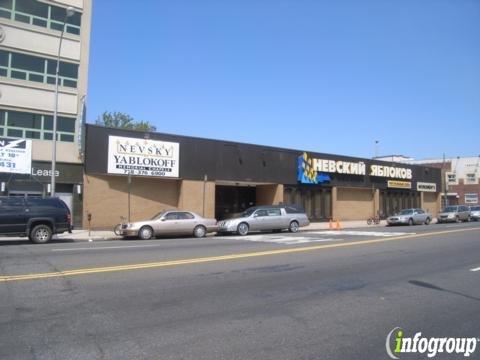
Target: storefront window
[
  {"x": 471, "y": 198},
  {"x": 316, "y": 201}
]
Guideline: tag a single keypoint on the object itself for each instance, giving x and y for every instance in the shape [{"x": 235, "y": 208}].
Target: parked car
[
  {"x": 37, "y": 218},
  {"x": 410, "y": 217},
  {"x": 266, "y": 218},
  {"x": 475, "y": 213},
  {"x": 170, "y": 223},
  {"x": 455, "y": 213}
]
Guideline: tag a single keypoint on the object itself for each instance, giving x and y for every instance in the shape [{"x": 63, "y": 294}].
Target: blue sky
[{"x": 327, "y": 76}]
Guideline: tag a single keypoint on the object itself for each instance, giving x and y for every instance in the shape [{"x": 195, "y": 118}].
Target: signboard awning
[
  {"x": 399, "y": 184},
  {"x": 426, "y": 187}
]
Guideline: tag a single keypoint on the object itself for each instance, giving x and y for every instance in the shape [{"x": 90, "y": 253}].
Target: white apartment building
[
  {"x": 30, "y": 33},
  {"x": 461, "y": 178}
]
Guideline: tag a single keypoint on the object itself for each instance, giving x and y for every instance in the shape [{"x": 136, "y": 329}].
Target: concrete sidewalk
[{"x": 98, "y": 235}]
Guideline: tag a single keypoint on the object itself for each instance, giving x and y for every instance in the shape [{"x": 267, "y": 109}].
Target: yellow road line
[{"x": 168, "y": 263}]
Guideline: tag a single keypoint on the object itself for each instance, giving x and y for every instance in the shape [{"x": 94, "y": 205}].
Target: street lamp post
[
  {"x": 445, "y": 183},
  {"x": 69, "y": 12}
]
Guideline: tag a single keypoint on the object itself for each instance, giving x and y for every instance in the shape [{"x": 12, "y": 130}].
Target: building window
[
  {"x": 33, "y": 68},
  {"x": 24, "y": 120},
  {"x": 35, "y": 126},
  {"x": 40, "y": 14},
  {"x": 471, "y": 178},
  {"x": 471, "y": 198},
  {"x": 452, "y": 178}
]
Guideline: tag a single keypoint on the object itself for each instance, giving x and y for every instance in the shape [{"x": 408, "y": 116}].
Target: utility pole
[
  {"x": 445, "y": 182},
  {"x": 70, "y": 11},
  {"x": 205, "y": 179},
  {"x": 129, "y": 183}
]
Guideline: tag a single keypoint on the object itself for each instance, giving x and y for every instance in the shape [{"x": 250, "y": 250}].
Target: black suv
[{"x": 37, "y": 218}]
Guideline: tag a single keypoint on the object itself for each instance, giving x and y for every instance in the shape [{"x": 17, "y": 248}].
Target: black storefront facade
[
  {"x": 137, "y": 174},
  {"x": 68, "y": 184}
]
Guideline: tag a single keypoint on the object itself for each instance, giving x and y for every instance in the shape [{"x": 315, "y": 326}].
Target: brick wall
[
  {"x": 353, "y": 204},
  {"x": 106, "y": 198}
]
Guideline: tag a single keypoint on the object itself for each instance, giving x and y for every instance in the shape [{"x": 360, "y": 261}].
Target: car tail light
[{"x": 69, "y": 218}]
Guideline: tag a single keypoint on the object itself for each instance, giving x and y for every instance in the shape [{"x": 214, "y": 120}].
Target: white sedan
[
  {"x": 170, "y": 223},
  {"x": 410, "y": 217}
]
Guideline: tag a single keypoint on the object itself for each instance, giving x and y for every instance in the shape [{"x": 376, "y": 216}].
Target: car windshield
[
  {"x": 406, "y": 212},
  {"x": 158, "y": 216},
  {"x": 248, "y": 212},
  {"x": 475, "y": 208},
  {"x": 450, "y": 209}
]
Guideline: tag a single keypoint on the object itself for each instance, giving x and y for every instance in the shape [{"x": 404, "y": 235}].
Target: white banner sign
[
  {"x": 426, "y": 187},
  {"x": 15, "y": 155},
  {"x": 142, "y": 157}
]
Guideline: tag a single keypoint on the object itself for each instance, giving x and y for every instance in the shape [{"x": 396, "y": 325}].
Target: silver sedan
[
  {"x": 410, "y": 217},
  {"x": 265, "y": 218},
  {"x": 170, "y": 223}
]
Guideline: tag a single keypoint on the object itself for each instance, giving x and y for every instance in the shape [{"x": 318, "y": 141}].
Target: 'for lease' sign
[
  {"x": 142, "y": 157},
  {"x": 15, "y": 155}
]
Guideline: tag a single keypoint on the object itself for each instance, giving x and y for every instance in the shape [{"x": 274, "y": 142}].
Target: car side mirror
[
  {"x": 163, "y": 219},
  {"x": 255, "y": 215}
]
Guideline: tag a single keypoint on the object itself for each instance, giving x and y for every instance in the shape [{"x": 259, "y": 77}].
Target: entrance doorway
[
  {"x": 392, "y": 201},
  {"x": 68, "y": 200},
  {"x": 316, "y": 201},
  {"x": 231, "y": 201}
]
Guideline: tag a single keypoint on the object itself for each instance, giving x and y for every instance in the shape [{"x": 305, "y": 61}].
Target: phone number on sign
[{"x": 145, "y": 172}]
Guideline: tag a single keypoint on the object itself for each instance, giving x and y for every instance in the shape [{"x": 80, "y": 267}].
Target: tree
[
  {"x": 144, "y": 126},
  {"x": 121, "y": 120}
]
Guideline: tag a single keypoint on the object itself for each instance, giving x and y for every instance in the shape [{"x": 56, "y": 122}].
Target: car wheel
[
  {"x": 242, "y": 229},
  {"x": 427, "y": 221},
  {"x": 199, "y": 231},
  {"x": 410, "y": 222},
  {"x": 41, "y": 234},
  {"x": 458, "y": 220},
  {"x": 145, "y": 233},
  {"x": 293, "y": 227}
]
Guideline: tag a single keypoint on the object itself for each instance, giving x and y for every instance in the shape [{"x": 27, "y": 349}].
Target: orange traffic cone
[{"x": 338, "y": 227}]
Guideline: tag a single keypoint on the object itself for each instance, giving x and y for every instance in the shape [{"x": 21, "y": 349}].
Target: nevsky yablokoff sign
[
  {"x": 15, "y": 155},
  {"x": 143, "y": 157},
  {"x": 313, "y": 171}
]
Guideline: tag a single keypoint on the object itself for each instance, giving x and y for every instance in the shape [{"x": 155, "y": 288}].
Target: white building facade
[
  {"x": 30, "y": 33},
  {"x": 461, "y": 178}
]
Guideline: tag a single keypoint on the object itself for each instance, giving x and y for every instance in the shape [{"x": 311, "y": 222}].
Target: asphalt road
[{"x": 315, "y": 295}]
